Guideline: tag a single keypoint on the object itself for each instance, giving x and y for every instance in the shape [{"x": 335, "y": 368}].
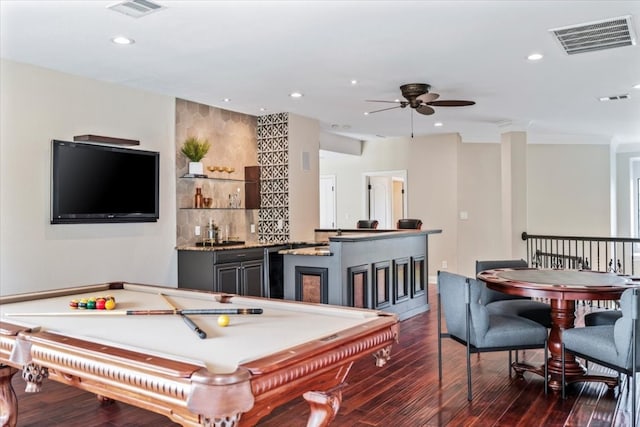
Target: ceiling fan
[{"x": 420, "y": 99}]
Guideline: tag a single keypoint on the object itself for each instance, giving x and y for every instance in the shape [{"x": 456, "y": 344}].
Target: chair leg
[
  {"x": 469, "y": 392},
  {"x": 510, "y": 364},
  {"x": 563, "y": 383},
  {"x": 546, "y": 368},
  {"x": 633, "y": 400},
  {"x": 439, "y": 340}
]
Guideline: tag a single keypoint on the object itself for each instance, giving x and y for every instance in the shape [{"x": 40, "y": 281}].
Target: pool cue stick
[
  {"x": 187, "y": 311},
  {"x": 190, "y": 323}
]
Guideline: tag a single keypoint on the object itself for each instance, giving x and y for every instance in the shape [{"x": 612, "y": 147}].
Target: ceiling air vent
[
  {"x": 599, "y": 35},
  {"x": 136, "y": 8}
]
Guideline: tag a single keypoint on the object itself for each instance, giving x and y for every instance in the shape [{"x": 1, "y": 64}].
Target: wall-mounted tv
[{"x": 99, "y": 183}]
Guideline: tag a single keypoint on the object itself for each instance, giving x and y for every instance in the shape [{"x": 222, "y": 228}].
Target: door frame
[
  {"x": 398, "y": 175},
  {"x": 333, "y": 180}
]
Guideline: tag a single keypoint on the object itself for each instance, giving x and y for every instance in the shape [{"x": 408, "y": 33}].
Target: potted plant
[{"x": 195, "y": 149}]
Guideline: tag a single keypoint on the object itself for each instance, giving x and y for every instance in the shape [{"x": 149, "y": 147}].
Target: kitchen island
[{"x": 382, "y": 269}]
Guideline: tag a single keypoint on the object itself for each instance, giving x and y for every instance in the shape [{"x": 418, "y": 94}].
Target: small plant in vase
[{"x": 195, "y": 149}]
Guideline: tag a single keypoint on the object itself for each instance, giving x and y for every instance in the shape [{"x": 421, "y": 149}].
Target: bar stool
[
  {"x": 367, "y": 223},
  {"x": 410, "y": 224}
]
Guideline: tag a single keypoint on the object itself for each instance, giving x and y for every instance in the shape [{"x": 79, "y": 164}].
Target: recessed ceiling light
[
  {"x": 227, "y": 99},
  {"x": 354, "y": 82},
  {"x": 123, "y": 40},
  {"x": 438, "y": 124},
  {"x": 535, "y": 57},
  {"x": 295, "y": 95},
  {"x": 263, "y": 109},
  {"x": 636, "y": 86},
  {"x": 366, "y": 113}
]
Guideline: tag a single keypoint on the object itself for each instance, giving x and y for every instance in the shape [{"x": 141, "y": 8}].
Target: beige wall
[
  {"x": 568, "y": 189},
  {"x": 37, "y": 105},
  {"x": 627, "y": 172},
  {"x": 568, "y": 186},
  {"x": 433, "y": 196},
  {"x": 304, "y": 179},
  {"x": 480, "y": 198}
]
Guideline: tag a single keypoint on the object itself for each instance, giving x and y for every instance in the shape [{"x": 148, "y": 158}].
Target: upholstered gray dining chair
[
  {"x": 599, "y": 318},
  {"x": 613, "y": 346},
  {"x": 513, "y": 305},
  {"x": 469, "y": 323}
]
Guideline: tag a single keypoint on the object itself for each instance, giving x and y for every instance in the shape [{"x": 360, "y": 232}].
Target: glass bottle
[{"x": 197, "y": 201}]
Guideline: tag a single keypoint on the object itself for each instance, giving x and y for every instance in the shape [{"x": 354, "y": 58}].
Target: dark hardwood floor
[{"x": 404, "y": 393}]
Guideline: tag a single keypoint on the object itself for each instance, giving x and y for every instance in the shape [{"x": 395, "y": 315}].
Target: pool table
[{"x": 233, "y": 377}]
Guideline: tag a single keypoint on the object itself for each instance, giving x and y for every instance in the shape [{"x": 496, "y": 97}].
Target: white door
[
  {"x": 380, "y": 198},
  {"x": 328, "y": 201}
]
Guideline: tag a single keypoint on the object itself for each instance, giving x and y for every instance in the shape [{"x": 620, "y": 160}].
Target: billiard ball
[{"x": 223, "y": 320}]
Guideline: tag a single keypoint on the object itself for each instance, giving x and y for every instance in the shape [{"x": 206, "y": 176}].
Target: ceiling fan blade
[
  {"x": 384, "y": 109},
  {"x": 375, "y": 100},
  {"x": 451, "y": 103},
  {"x": 428, "y": 97},
  {"x": 425, "y": 109}
]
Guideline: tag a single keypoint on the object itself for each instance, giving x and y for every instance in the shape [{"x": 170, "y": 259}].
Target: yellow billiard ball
[{"x": 223, "y": 320}]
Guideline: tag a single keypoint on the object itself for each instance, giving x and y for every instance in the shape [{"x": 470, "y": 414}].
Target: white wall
[
  {"x": 380, "y": 155},
  {"x": 37, "y": 105}
]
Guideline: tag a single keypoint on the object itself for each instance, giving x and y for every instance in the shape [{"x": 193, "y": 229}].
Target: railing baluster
[{"x": 616, "y": 254}]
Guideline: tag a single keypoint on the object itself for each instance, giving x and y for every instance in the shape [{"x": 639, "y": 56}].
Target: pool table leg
[
  {"x": 33, "y": 375},
  {"x": 324, "y": 406},
  {"x": 382, "y": 356},
  {"x": 8, "y": 399}
]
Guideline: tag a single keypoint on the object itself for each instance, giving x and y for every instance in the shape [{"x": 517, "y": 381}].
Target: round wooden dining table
[{"x": 562, "y": 288}]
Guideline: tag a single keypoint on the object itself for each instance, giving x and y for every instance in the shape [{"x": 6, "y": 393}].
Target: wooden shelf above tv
[{"x": 105, "y": 140}]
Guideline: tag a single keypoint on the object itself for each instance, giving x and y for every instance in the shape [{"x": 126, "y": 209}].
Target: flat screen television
[{"x": 98, "y": 183}]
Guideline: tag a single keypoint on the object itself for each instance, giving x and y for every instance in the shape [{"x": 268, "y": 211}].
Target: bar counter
[{"x": 378, "y": 269}]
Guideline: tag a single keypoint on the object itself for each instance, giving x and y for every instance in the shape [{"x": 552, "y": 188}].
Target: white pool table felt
[{"x": 281, "y": 326}]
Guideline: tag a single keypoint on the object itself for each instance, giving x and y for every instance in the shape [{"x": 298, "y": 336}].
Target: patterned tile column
[{"x": 273, "y": 158}]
